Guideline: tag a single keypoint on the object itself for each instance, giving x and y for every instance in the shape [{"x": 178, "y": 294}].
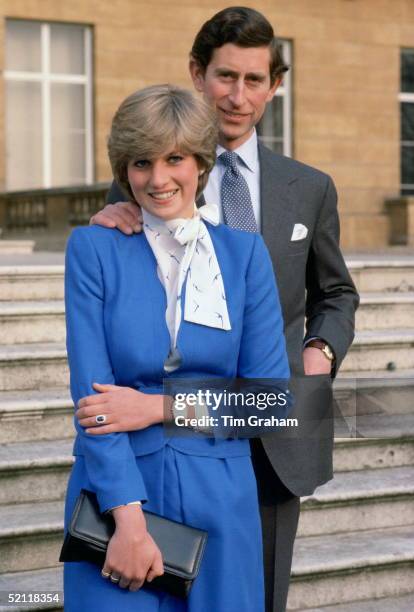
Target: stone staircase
[
  {"x": 36, "y": 428},
  {"x": 355, "y": 545},
  {"x": 355, "y": 550}
]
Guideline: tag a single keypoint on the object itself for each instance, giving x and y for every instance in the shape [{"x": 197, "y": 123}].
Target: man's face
[{"x": 237, "y": 84}]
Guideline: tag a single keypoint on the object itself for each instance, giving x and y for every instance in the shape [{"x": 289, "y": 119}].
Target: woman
[{"x": 187, "y": 298}]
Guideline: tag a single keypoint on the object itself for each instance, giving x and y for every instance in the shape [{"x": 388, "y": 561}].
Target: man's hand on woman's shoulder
[{"x": 125, "y": 216}]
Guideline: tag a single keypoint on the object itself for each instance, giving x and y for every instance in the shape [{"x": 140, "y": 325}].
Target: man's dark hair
[{"x": 241, "y": 26}]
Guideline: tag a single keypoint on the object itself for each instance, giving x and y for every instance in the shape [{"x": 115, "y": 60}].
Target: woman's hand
[
  {"x": 125, "y": 409},
  {"x": 132, "y": 554}
]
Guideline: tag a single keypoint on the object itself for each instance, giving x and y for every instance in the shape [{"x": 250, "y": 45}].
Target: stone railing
[
  {"x": 48, "y": 215},
  {"x": 401, "y": 220}
]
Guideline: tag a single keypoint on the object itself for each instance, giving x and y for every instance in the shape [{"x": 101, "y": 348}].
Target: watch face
[{"x": 327, "y": 350}]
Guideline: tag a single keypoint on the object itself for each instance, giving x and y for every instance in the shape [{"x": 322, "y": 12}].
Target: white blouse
[{"x": 183, "y": 249}]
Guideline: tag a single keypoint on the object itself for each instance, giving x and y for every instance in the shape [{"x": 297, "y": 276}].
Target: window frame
[
  {"x": 405, "y": 97},
  {"x": 285, "y": 91},
  {"x": 46, "y": 78}
]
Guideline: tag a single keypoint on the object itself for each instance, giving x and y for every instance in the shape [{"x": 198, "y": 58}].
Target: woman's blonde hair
[{"x": 158, "y": 119}]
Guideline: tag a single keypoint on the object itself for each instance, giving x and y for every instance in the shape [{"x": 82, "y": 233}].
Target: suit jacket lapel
[{"x": 277, "y": 208}]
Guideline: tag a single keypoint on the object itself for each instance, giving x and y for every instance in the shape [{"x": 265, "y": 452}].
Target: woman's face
[{"x": 165, "y": 186}]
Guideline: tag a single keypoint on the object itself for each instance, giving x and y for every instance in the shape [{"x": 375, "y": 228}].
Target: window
[
  {"x": 48, "y": 85},
  {"x": 406, "y": 98},
  {"x": 275, "y": 127}
]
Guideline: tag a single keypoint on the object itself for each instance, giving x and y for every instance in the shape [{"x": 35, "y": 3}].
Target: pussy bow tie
[{"x": 205, "y": 298}]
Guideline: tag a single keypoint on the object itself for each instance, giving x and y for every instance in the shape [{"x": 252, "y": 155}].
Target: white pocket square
[{"x": 299, "y": 232}]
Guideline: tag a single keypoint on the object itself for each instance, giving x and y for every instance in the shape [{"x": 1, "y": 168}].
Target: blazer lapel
[{"x": 277, "y": 208}]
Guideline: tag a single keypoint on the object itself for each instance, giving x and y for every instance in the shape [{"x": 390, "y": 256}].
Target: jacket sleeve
[
  {"x": 263, "y": 349},
  {"x": 331, "y": 295},
  {"x": 110, "y": 462},
  {"x": 115, "y": 194}
]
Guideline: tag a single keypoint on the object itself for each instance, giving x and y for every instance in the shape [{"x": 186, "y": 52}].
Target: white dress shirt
[{"x": 248, "y": 165}]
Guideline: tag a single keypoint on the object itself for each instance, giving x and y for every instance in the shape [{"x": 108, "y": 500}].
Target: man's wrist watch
[{"x": 324, "y": 347}]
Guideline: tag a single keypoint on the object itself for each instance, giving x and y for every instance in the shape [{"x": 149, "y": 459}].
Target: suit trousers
[{"x": 279, "y": 510}]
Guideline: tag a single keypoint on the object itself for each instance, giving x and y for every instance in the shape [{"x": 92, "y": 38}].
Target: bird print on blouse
[{"x": 184, "y": 250}]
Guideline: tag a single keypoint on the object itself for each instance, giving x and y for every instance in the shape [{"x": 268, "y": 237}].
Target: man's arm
[
  {"x": 125, "y": 216},
  {"x": 331, "y": 295}
]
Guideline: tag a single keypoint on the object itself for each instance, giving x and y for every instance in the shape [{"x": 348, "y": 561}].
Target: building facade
[{"x": 346, "y": 106}]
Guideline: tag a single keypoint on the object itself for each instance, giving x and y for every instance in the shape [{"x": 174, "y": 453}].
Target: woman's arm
[
  {"x": 110, "y": 462},
  {"x": 132, "y": 553},
  {"x": 124, "y": 408},
  {"x": 263, "y": 348}
]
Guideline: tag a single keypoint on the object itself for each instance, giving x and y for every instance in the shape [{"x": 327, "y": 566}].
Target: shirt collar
[
  {"x": 247, "y": 152},
  {"x": 209, "y": 212}
]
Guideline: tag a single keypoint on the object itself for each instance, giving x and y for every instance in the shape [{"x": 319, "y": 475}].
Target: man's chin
[{"x": 233, "y": 134}]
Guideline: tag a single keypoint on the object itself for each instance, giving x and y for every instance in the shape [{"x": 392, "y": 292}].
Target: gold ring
[{"x": 105, "y": 574}]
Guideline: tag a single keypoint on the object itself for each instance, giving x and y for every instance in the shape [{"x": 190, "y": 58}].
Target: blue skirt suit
[{"x": 117, "y": 334}]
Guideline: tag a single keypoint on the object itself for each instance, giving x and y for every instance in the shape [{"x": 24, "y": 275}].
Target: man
[{"x": 236, "y": 64}]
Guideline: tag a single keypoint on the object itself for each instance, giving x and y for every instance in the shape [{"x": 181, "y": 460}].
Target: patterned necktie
[{"x": 235, "y": 196}]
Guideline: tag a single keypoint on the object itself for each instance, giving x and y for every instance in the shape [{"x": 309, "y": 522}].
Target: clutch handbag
[{"x": 181, "y": 546}]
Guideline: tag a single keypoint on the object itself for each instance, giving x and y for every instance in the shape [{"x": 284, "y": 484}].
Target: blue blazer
[{"x": 117, "y": 334}]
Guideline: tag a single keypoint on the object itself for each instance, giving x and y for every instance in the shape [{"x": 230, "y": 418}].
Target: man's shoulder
[{"x": 291, "y": 168}]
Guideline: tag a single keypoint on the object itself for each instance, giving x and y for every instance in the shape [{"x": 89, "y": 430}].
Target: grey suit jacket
[{"x": 314, "y": 286}]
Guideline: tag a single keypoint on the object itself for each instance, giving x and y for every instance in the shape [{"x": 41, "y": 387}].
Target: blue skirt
[{"x": 215, "y": 494}]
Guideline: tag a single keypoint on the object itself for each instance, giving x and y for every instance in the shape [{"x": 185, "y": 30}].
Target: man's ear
[
  {"x": 197, "y": 74},
  {"x": 273, "y": 88}
]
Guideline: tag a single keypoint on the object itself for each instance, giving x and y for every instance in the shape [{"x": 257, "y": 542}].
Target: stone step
[
  {"x": 385, "y": 311},
  {"x": 352, "y": 566},
  {"x": 33, "y": 366},
  {"x": 381, "y": 350},
  {"x": 32, "y": 321},
  {"x": 36, "y": 415},
  {"x": 364, "y": 499},
  {"x": 380, "y": 392},
  {"x": 34, "y": 471},
  {"x": 31, "y": 535},
  {"x": 388, "y": 604},
  {"x": 389, "y": 442},
  {"x": 36, "y": 581},
  {"x": 31, "y": 282},
  {"x": 43, "y": 321},
  {"x": 51, "y": 581},
  {"x": 47, "y": 414},
  {"x": 40, "y": 275},
  {"x": 391, "y": 273},
  {"x": 16, "y": 247}
]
